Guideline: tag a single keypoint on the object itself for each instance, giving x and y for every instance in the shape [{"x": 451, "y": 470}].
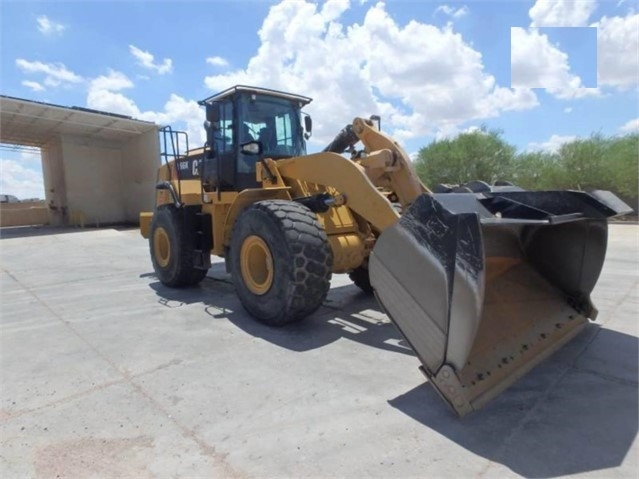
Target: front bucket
[{"x": 485, "y": 286}]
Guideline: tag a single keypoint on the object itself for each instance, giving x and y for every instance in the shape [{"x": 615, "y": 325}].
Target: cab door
[{"x": 220, "y": 159}]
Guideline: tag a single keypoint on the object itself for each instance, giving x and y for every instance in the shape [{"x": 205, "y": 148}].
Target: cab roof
[{"x": 304, "y": 100}]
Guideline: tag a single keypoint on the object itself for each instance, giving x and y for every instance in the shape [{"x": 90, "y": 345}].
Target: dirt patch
[{"x": 89, "y": 458}]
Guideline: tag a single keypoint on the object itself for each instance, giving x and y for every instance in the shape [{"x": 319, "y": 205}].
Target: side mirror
[
  {"x": 308, "y": 126},
  {"x": 213, "y": 112},
  {"x": 252, "y": 148},
  {"x": 308, "y": 123}
]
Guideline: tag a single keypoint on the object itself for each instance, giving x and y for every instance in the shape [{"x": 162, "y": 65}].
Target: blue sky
[{"x": 543, "y": 71}]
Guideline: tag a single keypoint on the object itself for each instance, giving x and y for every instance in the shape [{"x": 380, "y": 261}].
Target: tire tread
[{"x": 309, "y": 254}]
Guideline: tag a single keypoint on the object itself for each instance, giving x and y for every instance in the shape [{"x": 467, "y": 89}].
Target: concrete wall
[
  {"x": 95, "y": 182},
  {"x": 94, "y": 177},
  {"x": 24, "y": 214},
  {"x": 140, "y": 162}
]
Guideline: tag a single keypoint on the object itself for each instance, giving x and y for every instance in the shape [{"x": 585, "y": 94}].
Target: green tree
[
  {"x": 597, "y": 162},
  {"x": 478, "y": 155},
  {"x": 538, "y": 170},
  {"x": 583, "y": 165},
  {"x": 622, "y": 161}
]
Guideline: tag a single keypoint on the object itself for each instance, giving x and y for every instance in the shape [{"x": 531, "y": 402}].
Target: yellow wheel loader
[{"x": 483, "y": 281}]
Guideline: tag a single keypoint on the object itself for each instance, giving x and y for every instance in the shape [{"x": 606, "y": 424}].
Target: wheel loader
[{"x": 483, "y": 281}]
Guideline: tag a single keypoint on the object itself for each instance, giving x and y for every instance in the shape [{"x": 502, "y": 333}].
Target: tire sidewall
[
  {"x": 271, "y": 304},
  {"x": 165, "y": 219}
]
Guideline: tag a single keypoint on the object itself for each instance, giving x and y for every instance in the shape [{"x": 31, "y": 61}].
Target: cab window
[
  {"x": 275, "y": 122},
  {"x": 224, "y": 129}
]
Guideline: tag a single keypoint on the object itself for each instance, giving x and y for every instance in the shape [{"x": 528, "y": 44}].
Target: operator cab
[{"x": 242, "y": 115}]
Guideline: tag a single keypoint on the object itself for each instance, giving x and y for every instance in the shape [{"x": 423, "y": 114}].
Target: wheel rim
[
  {"x": 257, "y": 265},
  {"x": 161, "y": 247}
]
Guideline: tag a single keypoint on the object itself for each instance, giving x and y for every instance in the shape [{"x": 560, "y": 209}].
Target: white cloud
[
  {"x": 49, "y": 27},
  {"x": 552, "y": 145},
  {"x": 20, "y": 180},
  {"x": 417, "y": 76},
  {"x": 217, "y": 61},
  {"x": 187, "y": 114},
  {"x": 332, "y": 9},
  {"x": 34, "y": 85},
  {"x": 114, "y": 81},
  {"x": 561, "y": 13},
  {"x": 631, "y": 126},
  {"x": 618, "y": 51},
  {"x": 537, "y": 63},
  {"x": 617, "y": 37},
  {"x": 452, "y": 12},
  {"x": 31, "y": 157},
  {"x": 146, "y": 60},
  {"x": 105, "y": 93},
  {"x": 450, "y": 132},
  {"x": 55, "y": 74}
]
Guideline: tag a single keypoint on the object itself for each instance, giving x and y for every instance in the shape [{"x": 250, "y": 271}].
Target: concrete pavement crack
[{"x": 226, "y": 470}]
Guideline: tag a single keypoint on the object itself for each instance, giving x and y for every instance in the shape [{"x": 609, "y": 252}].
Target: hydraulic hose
[{"x": 343, "y": 141}]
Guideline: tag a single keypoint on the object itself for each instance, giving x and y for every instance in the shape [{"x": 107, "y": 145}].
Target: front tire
[
  {"x": 280, "y": 261},
  {"x": 171, "y": 243}
]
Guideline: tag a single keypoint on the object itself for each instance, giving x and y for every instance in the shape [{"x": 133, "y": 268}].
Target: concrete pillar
[
  {"x": 55, "y": 190},
  {"x": 140, "y": 162}
]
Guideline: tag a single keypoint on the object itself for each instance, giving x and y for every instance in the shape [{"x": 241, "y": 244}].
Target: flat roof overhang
[{"x": 32, "y": 123}]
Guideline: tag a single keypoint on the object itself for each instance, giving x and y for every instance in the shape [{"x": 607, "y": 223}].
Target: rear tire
[
  {"x": 171, "y": 242},
  {"x": 280, "y": 261}
]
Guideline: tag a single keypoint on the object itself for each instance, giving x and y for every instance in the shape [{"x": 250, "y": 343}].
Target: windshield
[{"x": 273, "y": 121}]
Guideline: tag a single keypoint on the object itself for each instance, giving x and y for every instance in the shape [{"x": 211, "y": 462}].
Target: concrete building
[{"x": 99, "y": 168}]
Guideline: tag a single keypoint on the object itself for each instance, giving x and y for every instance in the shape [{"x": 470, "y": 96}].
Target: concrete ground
[{"x": 106, "y": 373}]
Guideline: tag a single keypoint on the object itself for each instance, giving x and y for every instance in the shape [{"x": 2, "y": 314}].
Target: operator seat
[
  {"x": 267, "y": 138},
  {"x": 246, "y": 135}
]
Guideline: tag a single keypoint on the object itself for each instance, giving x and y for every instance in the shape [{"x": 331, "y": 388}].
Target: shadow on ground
[
  {"x": 573, "y": 413},
  {"x": 346, "y": 313},
  {"x": 560, "y": 419},
  {"x": 9, "y": 232},
  {"x": 29, "y": 231}
]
